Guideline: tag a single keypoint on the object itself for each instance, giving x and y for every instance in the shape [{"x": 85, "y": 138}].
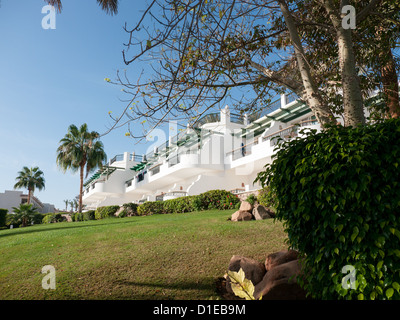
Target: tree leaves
[
  {"x": 241, "y": 287},
  {"x": 343, "y": 211}
]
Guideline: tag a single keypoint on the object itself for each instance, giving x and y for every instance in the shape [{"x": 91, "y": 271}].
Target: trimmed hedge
[
  {"x": 213, "y": 199},
  {"x": 105, "y": 212},
  {"x": 130, "y": 209},
  {"x": 53, "y": 218},
  {"x": 338, "y": 195}
]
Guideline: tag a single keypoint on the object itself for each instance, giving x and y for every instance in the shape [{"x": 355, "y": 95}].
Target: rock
[
  {"x": 281, "y": 257},
  {"x": 280, "y": 283},
  {"x": 241, "y": 215},
  {"x": 119, "y": 211},
  {"x": 253, "y": 270},
  {"x": 67, "y": 217},
  {"x": 260, "y": 213},
  {"x": 246, "y": 206}
]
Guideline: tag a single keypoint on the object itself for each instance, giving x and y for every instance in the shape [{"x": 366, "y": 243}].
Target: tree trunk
[
  {"x": 311, "y": 94},
  {"x": 390, "y": 83},
  {"x": 82, "y": 167},
  {"x": 352, "y": 97},
  {"x": 29, "y": 195}
]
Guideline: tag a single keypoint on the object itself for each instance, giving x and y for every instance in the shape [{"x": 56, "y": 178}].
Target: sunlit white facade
[{"x": 220, "y": 151}]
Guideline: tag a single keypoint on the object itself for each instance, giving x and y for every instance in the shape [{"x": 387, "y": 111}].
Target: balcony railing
[
  {"x": 237, "y": 118},
  {"x": 173, "y": 160},
  {"x": 155, "y": 169},
  {"x": 243, "y": 151},
  {"x": 175, "y": 194},
  {"x": 136, "y": 157},
  {"x": 287, "y": 133},
  {"x": 274, "y": 105},
  {"x": 118, "y": 157},
  {"x": 208, "y": 118}
]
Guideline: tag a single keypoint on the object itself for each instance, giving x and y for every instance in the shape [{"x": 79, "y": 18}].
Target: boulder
[
  {"x": 260, "y": 213},
  {"x": 241, "y": 215},
  {"x": 253, "y": 270},
  {"x": 279, "y": 283},
  {"x": 281, "y": 257},
  {"x": 119, "y": 211},
  {"x": 246, "y": 206}
]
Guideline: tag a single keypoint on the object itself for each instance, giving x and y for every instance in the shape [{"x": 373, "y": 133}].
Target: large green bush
[
  {"x": 338, "y": 195},
  {"x": 213, "y": 199},
  {"x": 53, "y": 218},
  {"x": 151, "y": 207},
  {"x": 216, "y": 199},
  {"x": 179, "y": 205},
  {"x": 105, "y": 212},
  {"x": 130, "y": 209},
  {"x": 3, "y": 215}
]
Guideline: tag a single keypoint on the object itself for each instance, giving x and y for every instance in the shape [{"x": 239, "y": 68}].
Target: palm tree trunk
[
  {"x": 29, "y": 195},
  {"x": 82, "y": 167}
]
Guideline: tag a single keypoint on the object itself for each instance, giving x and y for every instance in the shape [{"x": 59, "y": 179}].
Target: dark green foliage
[
  {"x": 89, "y": 215},
  {"x": 178, "y": 205},
  {"x": 130, "y": 209},
  {"x": 251, "y": 199},
  {"x": 216, "y": 199},
  {"x": 3, "y": 215},
  {"x": 339, "y": 197},
  {"x": 151, "y": 207},
  {"x": 53, "y": 218},
  {"x": 78, "y": 216},
  {"x": 12, "y": 219},
  {"x": 105, "y": 212},
  {"x": 266, "y": 198},
  {"x": 38, "y": 218}
]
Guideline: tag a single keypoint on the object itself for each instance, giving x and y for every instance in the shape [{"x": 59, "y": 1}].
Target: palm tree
[
  {"x": 66, "y": 205},
  {"x": 30, "y": 178},
  {"x": 110, "y": 6},
  {"x": 79, "y": 149},
  {"x": 24, "y": 213},
  {"x": 75, "y": 204}
]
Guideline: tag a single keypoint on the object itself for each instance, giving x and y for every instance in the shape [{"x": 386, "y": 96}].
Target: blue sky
[{"x": 50, "y": 79}]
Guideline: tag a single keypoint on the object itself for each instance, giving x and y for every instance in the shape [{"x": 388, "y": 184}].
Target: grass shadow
[{"x": 27, "y": 230}]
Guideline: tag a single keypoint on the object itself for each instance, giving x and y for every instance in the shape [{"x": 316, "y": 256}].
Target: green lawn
[{"x": 174, "y": 256}]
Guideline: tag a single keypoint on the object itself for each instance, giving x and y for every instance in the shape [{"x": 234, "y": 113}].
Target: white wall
[{"x": 10, "y": 199}]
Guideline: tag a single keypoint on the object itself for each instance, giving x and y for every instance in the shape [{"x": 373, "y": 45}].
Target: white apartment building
[
  {"x": 220, "y": 151},
  {"x": 13, "y": 198}
]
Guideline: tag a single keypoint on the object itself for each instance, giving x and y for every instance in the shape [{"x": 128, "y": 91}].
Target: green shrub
[
  {"x": 267, "y": 198},
  {"x": 179, "y": 205},
  {"x": 3, "y": 215},
  {"x": 105, "y": 212},
  {"x": 48, "y": 218},
  {"x": 38, "y": 218},
  {"x": 11, "y": 219},
  {"x": 53, "y": 218},
  {"x": 216, "y": 199},
  {"x": 151, "y": 207},
  {"x": 251, "y": 199},
  {"x": 78, "y": 216},
  {"x": 338, "y": 195},
  {"x": 130, "y": 209},
  {"x": 89, "y": 215}
]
